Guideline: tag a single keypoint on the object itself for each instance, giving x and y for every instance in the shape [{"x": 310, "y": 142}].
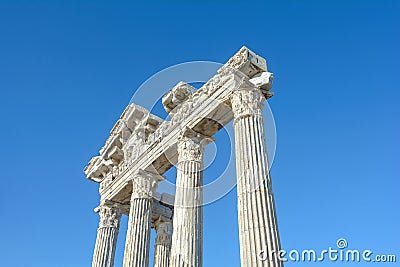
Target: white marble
[
  {"x": 187, "y": 237},
  {"x": 107, "y": 234},
  {"x": 162, "y": 246},
  {"x": 141, "y": 147},
  {"x": 256, "y": 209},
  {"x": 137, "y": 246}
]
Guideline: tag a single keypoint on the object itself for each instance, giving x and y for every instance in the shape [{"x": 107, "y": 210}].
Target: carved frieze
[
  {"x": 246, "y": 61},
  {"x": 104, "y": 183},
  {"x": 134, "y": 146},
  {"x": 217, "y": 82},
  {"x": 159, "y": 133},
  {"x": 240, "y": 85},
  {"x": 177, "y": 95},
  {"x": 181, "y": 112}
]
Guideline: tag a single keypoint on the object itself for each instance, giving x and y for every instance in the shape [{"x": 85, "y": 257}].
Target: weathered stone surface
[
  {"x": 107, "y": 234},
  {"x": 162, "y": 246},
  {"x": 153, "y": 141},
  {"x": 257, "y": 219},
  {"x": 177, "y": 96},
  {"x": 142, "y": 141},
  {"x": 248, "y": 62},
  {"x": 137, "y": 246},
  {"x": 187, "y": 238}
]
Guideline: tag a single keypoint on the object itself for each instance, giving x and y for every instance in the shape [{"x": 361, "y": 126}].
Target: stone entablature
[
  {"x": 205, "y": 111},
  {"x": 128, "y": 140},
  {"x": 142, "y": 147}
]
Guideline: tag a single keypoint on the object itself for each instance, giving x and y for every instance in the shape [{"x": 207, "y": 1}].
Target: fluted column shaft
[
  {"x": 162, "y": 247},
  {"x": 187, "y": 238},
  {"x": 137, "y": 246},
  {"x": 107, "y": 234},
  {"x": 258, "y": 230}
]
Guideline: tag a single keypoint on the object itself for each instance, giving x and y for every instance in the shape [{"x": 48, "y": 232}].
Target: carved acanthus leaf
[
  {"x": 110, "y": 216},
  {"x": 247, "y": 102},
  {"x": 144, "y": 184},
  {"x": 190, "y": 149}
]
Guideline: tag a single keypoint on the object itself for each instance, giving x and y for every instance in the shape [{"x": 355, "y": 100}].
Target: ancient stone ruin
[{"x": 142, "y": 147}]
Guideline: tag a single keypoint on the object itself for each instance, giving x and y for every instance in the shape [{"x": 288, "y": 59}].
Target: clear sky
[{"x": 68, "y": 69}]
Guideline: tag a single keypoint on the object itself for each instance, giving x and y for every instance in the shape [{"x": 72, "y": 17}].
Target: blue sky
[{"x": 68, "y": 69}]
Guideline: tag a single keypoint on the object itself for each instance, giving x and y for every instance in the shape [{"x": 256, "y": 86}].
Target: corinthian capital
[
  {"x": 164, "y": 233},
  {"x": 110, "y": 215},
  {"x": 191, "y": 145},
  {"x": 190, "y": 149},
  {"x": 248, "y": 101},
  {"x": 144, "y": 184}
]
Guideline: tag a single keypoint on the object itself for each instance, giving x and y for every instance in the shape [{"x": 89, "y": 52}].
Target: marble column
[
  {"x": 107, "y": 233},
  {"x": 162, "y": 247},
  {"x": 137, "y": 246},
  {"x": 258, "y": 230},
  {"x": 187, "y": 236}
]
